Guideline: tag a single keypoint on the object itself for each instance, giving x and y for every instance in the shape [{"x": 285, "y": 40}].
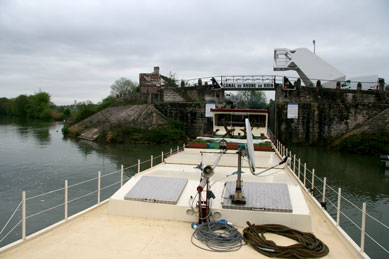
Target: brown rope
[{"x": 308, "y": 245}]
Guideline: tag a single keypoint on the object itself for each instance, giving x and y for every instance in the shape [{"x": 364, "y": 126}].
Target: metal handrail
[
  {"x": 292, "y": 166},
  {"x": 170, "y": 152}
]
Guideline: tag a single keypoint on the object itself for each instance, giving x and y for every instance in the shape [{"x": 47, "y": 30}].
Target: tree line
[{"x": 37, "y": 106}]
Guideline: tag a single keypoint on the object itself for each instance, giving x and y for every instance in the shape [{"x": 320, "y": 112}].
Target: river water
[{"x": 36, "y": 158}]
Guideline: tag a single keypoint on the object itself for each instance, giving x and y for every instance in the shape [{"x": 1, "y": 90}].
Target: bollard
[
  {"x": 121, "y": 175},
  {"x": 338, "y": 209},
  {"x": 24, "y": 215},
  {"x": 98, "y": 186},
  {"x": 323, "y": 201},
  {"x": 363, "y": 227},
  {"x": 66, "y": 199}
]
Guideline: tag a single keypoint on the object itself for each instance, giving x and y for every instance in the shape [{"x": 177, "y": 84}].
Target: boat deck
[
  {"x": 98, "y": 234},
  {"x": 130, "y": 228}
]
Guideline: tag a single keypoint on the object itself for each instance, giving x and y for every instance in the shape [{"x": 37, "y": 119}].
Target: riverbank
[{"x": 128, "y": 124}]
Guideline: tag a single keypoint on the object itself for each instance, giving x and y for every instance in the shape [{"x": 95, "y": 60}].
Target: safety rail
[
  {"x": 319, "y": 190},
  {"x": 21, "y": 207}
]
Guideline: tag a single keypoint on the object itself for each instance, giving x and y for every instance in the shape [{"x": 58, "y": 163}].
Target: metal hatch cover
[
  {"x": 259, "y": 196},
  {"x": 157, "y": 189}
]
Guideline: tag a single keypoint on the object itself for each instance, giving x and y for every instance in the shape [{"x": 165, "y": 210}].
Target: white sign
[
  {"x": 293, "y": 111},
  {"x": 208, "y": 107}
]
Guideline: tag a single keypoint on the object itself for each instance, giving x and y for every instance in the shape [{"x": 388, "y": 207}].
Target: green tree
[
  {"x": 123, "y": 87},
  {"x": 38, "y": 104},
  {"x": 249, "y": 99}
]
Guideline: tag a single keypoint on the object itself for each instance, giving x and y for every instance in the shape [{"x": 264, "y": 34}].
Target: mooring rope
[{"x": 308, "y": 245}]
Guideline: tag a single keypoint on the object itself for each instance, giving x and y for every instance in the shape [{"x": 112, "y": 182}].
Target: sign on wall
[
  {"x": 293, "y": 111},
  {"x": 208, "y": 107}
]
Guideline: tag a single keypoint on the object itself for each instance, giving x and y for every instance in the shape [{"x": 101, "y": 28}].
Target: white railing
[
  {"x": 153, "y": 161},
  {"x": 321, "y": 190}
]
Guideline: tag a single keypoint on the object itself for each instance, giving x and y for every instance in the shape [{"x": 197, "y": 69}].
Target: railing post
[
  {"x": 121, "y": 175},
  {"x": 66, "y": 199},
  {"x": 162, "y": 158},
  {"x": 286, "y": 151},
  {"x": 171, "y": 152},
  {"x": 151, "y": 161},
  {"x": 290, "y": 155},
  {"x": 98, "y": 186},
  {"x": 183, "y": 147},
  {"x": 24, "y": 215},
  {"x": 313, "y": 181},
  {"x": 305, "y": 174},
  {"x": 138, "y": 166},
  {"x": 323, "y": 201},
  {"x": 363, "y": 227},
  {"x": 299, "y": 164},
  {"x": 338, "y": 209},
  {"x": 294, "y": 164},
  {"x": 178, "y": 149}
]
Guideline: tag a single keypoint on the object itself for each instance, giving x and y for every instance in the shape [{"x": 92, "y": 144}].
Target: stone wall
[
  {"x": 192, "y": 115},
  {"x": 324, "y": 115},
  {"x": 192, "y": 94}
]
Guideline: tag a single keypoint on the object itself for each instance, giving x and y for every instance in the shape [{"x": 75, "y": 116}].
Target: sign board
[
  {"x": 208, "y": 107},
  {"x": 293, "y": 111}
]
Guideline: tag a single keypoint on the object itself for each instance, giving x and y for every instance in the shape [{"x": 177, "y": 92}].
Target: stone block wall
[
  {"x": 192, "y": 115},
  {"x": 324, "y": 114}
]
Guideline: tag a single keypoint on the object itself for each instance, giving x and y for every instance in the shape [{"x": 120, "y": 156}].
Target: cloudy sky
[{"x": 75, "y": 50}]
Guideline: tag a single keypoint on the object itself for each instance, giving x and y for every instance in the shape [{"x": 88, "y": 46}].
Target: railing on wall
[
  {"x": 325, "y": 195},
  {"x": 97, "y": 188}
]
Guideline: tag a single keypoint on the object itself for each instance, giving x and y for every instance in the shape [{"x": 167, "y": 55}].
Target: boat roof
[{"x": 240, "y": 111}]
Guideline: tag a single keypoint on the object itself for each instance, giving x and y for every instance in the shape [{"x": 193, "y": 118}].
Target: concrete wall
[
  {"x": 324, "y": 114},
  {"x": 192, "y": 115}
]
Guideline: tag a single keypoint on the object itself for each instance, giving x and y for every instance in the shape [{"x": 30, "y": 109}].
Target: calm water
[
  {"x": 36, "y": 158},
  {"x": 362, "y": 179}
]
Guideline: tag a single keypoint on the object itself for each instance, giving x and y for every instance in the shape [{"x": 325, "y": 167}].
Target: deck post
[
  {"x": 305, "y": 174},
  {"x": 323, "y": 201},
  {"x": 24, "y": 215},
  {"x": 98, "y": 186},
  {"x": 121, "y": 175},
  {"x": 138, "y": 166},
  {"x": 162, "y": 157},
  {"x": 338, "y": 209},
  {"x": 66, "y": 199},
  {"x": 313, "y": 181},
  {"x": 294, "y": 164},
  {"x": 151, "y": 161},
  {"x": 299, "y": 164},
  {"x": 363, "y": 227}
]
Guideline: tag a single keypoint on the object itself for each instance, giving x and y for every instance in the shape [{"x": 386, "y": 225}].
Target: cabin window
[{"x": 238, "y": 120}]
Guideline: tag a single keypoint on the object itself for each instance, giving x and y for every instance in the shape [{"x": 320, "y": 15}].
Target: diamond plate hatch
[
  {"x": 157, "y": 189},
  {"x": 259, "y": 196}
]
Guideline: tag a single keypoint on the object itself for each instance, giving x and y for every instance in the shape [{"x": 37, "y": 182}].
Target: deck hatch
[
  {"x": 157, "y": 189},
  {"x": 260, "y": 196}
]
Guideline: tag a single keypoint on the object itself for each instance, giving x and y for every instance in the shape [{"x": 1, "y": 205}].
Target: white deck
[
  {"x": 97, "y": 233},
  {"x": 182, "y": 165}
]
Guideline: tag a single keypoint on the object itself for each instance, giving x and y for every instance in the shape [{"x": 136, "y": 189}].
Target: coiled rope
[
  {"x": 218, "y": 237},
  {"x": 308, "y": 245}
]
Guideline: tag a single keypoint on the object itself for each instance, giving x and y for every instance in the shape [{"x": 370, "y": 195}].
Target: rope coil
[{"x": 308, "y": 245}]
